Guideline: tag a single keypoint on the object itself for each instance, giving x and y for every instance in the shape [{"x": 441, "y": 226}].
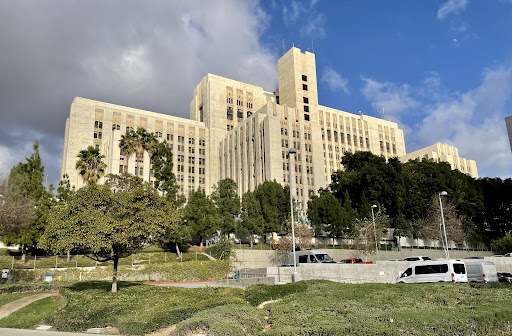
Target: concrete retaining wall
[
  {"x": 380, "y": 272},
  {"x": 261, "y": 258},
  {"x": 244, "y": 283}
]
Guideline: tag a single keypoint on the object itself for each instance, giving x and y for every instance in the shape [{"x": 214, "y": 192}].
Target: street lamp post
[
  {"x": 291, "y": 152},
  {"x": 444, "y": 193},
  {"x": 375, "y": 233}
]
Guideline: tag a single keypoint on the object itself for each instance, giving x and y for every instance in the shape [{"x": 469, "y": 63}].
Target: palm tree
[
  {"x": 137, "y": 142},
  {"x": 90, "y": 164}
]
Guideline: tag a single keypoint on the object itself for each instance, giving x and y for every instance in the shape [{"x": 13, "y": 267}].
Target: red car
[{"x": 355, "y": 261}]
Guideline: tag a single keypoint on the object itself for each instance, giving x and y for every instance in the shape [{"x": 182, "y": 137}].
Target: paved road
[{"x": 24, "y": 332}]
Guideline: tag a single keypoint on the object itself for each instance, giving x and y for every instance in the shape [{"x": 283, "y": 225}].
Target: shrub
[
  {"x": 261, "y": 293},
  {"x": 233, "y": 319},
  {"x": 221, "y": 251}
]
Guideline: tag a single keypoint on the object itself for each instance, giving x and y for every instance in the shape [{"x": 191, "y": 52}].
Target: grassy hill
[{"x": 304, "y": 308}]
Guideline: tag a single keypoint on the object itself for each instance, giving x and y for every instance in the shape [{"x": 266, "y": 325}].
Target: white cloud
[
  {"x": 334, "y": 80},
  {"x": 394, "y": 99},
  {"x": 473, "y": 122},
  {"x": 298, "y": 14},
  {"x": 150, "y": 57},
  {"x": 451, "y": 7}
]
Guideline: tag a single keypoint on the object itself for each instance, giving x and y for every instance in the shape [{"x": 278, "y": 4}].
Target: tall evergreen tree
[
  {"x": 252, "y": 221},
  {"x": 200, "y": 215},
  {"x": 228, "y": 204},
  {"x": 165, "y": 180},
  {"x": 25, "y": 188}
]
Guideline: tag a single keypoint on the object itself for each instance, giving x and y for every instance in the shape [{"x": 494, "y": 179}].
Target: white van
[
  {"x": 482, "y": 271},
  {"x": 434, "y": 271},
  {"x": 309, "y": 256}
]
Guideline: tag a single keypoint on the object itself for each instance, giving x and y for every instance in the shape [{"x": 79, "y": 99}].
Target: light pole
[
  {"x": 375, "y": 233},
  {"x": 444, "y": 193},
  {"x": 291, "y": 152}
]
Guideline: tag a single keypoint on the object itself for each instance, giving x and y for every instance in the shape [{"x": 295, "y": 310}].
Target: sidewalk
[{"x": 25, "y": 332}]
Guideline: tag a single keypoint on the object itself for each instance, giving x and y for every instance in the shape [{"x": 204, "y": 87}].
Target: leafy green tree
[
  {"x": 165, "y": 180},
  {"x": 138, "y": 142},
  {"x": 495, "y": 216},
  {"x": 227, "y": 202},
  {"x": 504, "y": 244},
  {"x": 90, "y": 164},
  {"x": 327, "y": 215},
  {"x": 251, "y": 216},
  {"x": 370, "y": 177},
  {"x": 65, "y": 191},
  {"x": 110, "y": 221},
  {"x": 200, "y": 214}
]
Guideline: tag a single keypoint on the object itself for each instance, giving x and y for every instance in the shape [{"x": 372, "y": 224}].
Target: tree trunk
[
  {"x": 201, "y": 241},
  {"x": 252, "y": 239},
  {"x": 178, "y": 250},
  {"x": 69, "y": 255},
  {"x": 114, "y": 275}
]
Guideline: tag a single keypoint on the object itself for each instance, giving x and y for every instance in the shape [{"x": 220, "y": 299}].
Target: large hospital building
[{"x": 240, "y": 131}]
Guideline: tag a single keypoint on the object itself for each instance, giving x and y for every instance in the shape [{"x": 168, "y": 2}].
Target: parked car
[
  {"x": 309, "y": 256},
  {"x": 434, "y": 271},
  {"x": 355, "y": 261},
  {"x": 481, "y": 271},
  {"x": 504, "y": 277},
  {"x": 417, "y": 258},
  {"x": 508, "y": 254}
]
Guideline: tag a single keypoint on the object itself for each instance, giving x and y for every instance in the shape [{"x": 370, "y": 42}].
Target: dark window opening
[
  {"x": 304, "y": 87},
  {"x": 304, "y": 78}
]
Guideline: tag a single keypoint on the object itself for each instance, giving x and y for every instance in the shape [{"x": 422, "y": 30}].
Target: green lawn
[
  {"x": 304, "y": 308},
  {"x": 8, "y": 298},
  {"x": 32, "y": 314}
]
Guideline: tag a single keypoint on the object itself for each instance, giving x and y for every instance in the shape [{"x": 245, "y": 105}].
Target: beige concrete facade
[
  {"x": 240, "y": 131},
  {"x": 508, "y": 122},
  {"x": 444, "y": 153},
  {"x": 98, "y": 124}
]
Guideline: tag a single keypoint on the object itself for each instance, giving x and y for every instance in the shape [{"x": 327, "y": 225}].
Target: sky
[{"x": 441, "y": 69}]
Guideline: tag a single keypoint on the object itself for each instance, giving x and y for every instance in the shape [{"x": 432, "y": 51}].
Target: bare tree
[{"x": 432, "y": 225}]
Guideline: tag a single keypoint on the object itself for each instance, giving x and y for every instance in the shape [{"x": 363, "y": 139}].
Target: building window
[
  {"x": 304, "y": 87},
  {"x": 97, "y": 135},
  {"x": 306, "y": 100},
  {"x": 230, "y": 113},
  {"x": 158, "y": 134},
  {"x": 116, "y": 127},
  {"x": 304, "y": 78},
  {"x": 98, "y": 124},
  {"x": 170, "y": 137},
  {"x": 306, "y": 108}
]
